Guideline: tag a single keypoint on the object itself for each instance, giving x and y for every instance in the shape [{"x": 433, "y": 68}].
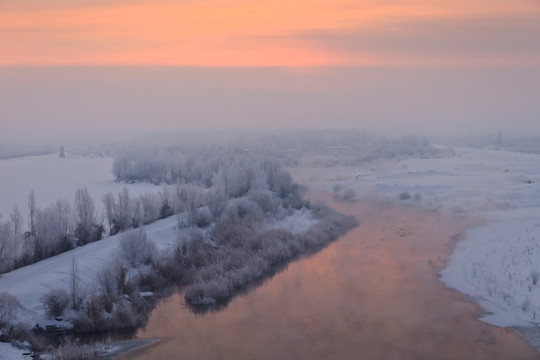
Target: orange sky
[{"x": 269, "y": 32}]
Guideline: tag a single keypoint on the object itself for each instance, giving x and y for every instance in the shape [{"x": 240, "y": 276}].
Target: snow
[
  {"x": 29, "y": 283},
  {"x": 497, "y": 261},
  {"x": 8, "y": 351},
  {"x": 53, "y": 178},
  {"x": 495, "y": 264}
]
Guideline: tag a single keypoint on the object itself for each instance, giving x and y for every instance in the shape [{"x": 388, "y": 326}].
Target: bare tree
[
  {"x": 124, "y": 211},
  {"x": 110, "y": 203},
  {"x": 74, "y": 285},
  {"x": 53, "y": 230},
  {"x": 6, "y": 247},
  {"x": 16, "y": 221},
  {"x": 9, "y": 306},
  {"x": 216, "y": 201},
  {"x": 32, "y": 211},
  {"x": 87, "y": 229},
  {"x": 85, "y": 213}
]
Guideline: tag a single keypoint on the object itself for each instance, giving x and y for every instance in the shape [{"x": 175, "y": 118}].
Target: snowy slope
[
  {"x": 31, "y": 282},
  {"x": 497, "y": 262}
]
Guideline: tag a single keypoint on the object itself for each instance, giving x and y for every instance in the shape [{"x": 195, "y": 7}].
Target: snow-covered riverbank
[
  {"x": 31, "y": 282},
  {"x": 498, "y": 263}
]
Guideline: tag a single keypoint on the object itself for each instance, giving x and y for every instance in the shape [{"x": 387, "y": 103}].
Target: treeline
[
  {"x": 169, "y": 164},
  {"x": 201, "y": 190},
  {"x": 49, "y": 231},
  {"x": 236, "y": 170},
  {"x": 524, "y": 144},
  {"x": 353, "y": 146}
]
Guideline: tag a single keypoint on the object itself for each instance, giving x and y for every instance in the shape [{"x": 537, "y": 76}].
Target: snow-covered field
[
  {"x": 498, "y": 263},
  {"x": 53, "y": 178}
]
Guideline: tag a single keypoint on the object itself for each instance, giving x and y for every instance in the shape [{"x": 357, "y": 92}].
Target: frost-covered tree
[
  {"x": 6, "y": 246},
  {"x": 75, "y": 291},
  {"x": 9, "y": 306},
  {"x": 109, "y": 203},
  {"x": 151, "y": 209},
  {"x": 87, "y": 228},
  {"x": 53, "y": 230},
  {"x": 216, "y": 200},
  {"x": 16, "y": 221},
  {"x": 123, "y": 211},
  {"x": 32, "y": 212}
]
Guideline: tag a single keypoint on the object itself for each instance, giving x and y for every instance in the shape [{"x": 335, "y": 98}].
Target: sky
[{"x": 72, "y": 67}]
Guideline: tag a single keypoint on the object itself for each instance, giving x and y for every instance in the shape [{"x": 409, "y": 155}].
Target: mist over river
[{"x": 372, "y": 294}]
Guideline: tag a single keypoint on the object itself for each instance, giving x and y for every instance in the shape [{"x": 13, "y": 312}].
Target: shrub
[
  {"x": 233, "y": 232},
  {"x": 404, "y": 196},
  {"x": 535, "y": 275},
  {"x": 75, "y": 350},
  {"x": 149, "y": 280},
  {"x": 111, "y": 282},
  {"x": 92, "y": 318},
  {"x": 202, "y": 217},
  {"x": 208, "y": 292},
  {"x": 199, "y": 253},
  {"x": 265, "y": 199},
  {"x": 136, "y": 249},
  {"x": 172, "y": 266},
  {"x": 243, "y": 208},
  {"x": 55, "y": 301},
  {"x": 9, "y": 306},
  {"x": 124, "y": 317}
]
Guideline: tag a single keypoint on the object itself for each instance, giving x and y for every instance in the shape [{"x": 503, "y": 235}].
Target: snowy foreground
[{"x": 498, "y": 263}]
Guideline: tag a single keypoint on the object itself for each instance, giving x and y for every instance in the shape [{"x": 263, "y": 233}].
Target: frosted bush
[
  {"x": 136, "y": 249},
  {"x": 9, "y": 306},
  {"x": 55, "y": 301},
  {"x": 404, "y": 196},
  {"x": 243, "y": 208},
  {"x": 71, "y": 350}
]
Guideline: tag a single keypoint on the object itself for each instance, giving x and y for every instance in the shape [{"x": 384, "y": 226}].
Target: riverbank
[{"x": 374, "y": 293}]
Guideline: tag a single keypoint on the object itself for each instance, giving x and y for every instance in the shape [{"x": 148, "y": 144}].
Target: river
[{"x": 372, "y": 294}]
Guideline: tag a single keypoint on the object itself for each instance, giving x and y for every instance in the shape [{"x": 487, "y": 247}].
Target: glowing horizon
[{"x": 239, "y": 33}]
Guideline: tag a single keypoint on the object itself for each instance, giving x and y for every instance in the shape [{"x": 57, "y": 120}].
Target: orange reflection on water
[{"x": 372, "y": 294}]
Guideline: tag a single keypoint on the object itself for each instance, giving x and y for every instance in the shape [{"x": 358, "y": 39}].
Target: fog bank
[{"x": 71, "y": 104}]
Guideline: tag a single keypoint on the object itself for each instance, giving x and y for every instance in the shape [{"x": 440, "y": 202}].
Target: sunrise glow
[{"x": 266, "y": 33}]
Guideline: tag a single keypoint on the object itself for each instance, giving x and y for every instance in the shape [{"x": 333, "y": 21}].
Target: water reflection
[{"x": 372, "y": 294}]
